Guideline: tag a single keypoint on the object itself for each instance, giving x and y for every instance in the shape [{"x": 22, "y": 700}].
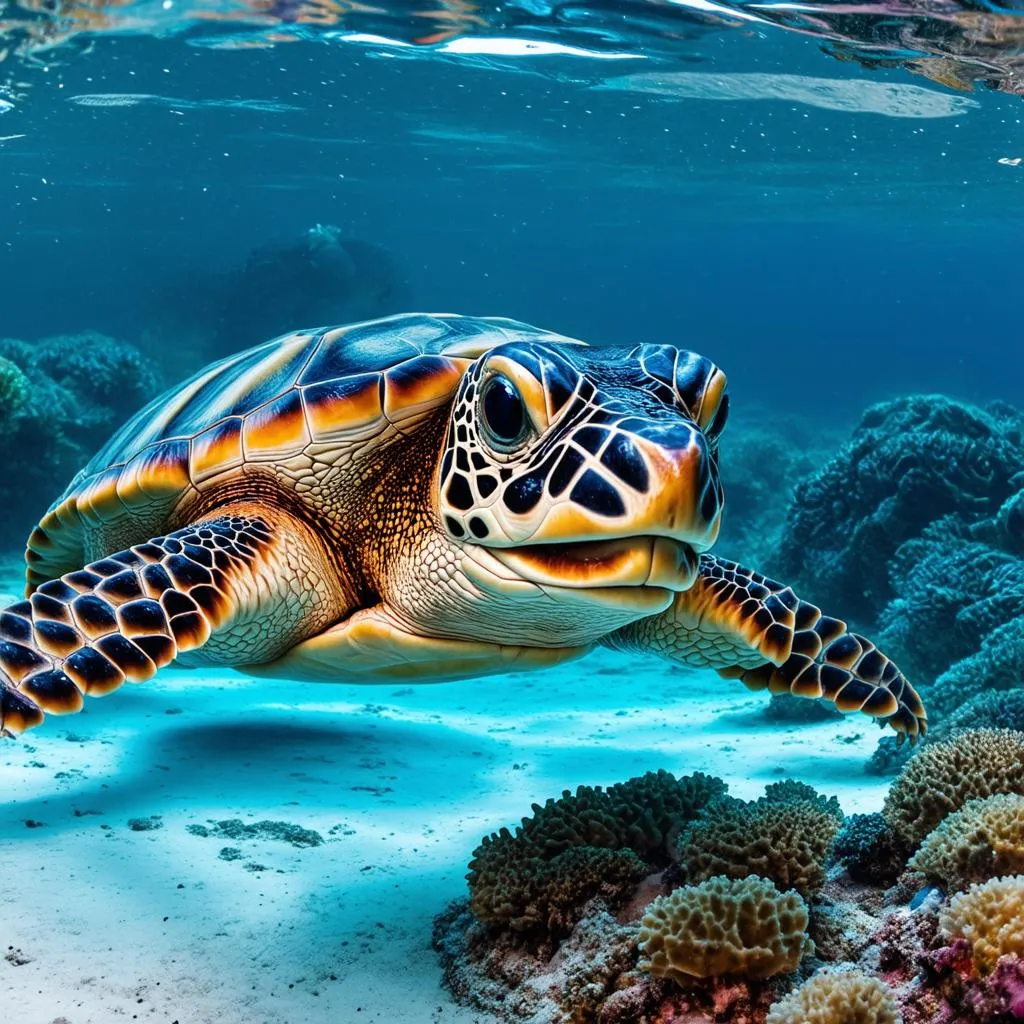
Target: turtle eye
[{"x": 503, "y": 414}]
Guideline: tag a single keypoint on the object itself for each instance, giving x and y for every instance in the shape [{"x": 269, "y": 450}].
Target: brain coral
[
  {"x": 837, "y": 997},
  {"x": 983, "y": 839},
  {"x": 990, "y": 917},
  {"x": 942, "y": 777},
  {"x": 910, "y": 462},
  {"x": 724, "y": 926},
  {"x": 785, "y": 836},
  {"x": 593, "y": 842}
]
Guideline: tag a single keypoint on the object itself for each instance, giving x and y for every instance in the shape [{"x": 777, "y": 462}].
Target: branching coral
[
  {"x": 983, "y": 839},
  {"x": 593, "y": 842},
  {"x": 943, "y": 777},
  {"x": 837, "y": 997},
  {"x": 990, "y": 917},
  {"x": 724, "y": 926},
  {"x": 784, "y": 836}
]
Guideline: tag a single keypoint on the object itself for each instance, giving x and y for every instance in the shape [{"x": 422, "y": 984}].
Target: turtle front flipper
[
  {"x": 245, "y": 583},
  {"x": 752, "y": 628}
]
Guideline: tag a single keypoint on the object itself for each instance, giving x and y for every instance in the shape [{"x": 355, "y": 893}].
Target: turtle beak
[
  {"x": 683, "y": 499},
  {"x": 636, "y": 516}
]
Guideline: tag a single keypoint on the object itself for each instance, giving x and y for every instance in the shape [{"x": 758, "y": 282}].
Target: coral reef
[
  {"x": 991, "y": 709},
  {"x": 784, "y": 836},
  {"x": 756, "y": 504},
  {"x": 594, "y": 842},
  {"x": 870, "y": 850},
  {"x": 726, "y": 950},
  {"x": 990, "y": 916},
  {"x": 910, "y": 462},
  {"x": 61, "y": 397},
  {"x": 997, "y": 666},
  {"x": 984, "y": 838},
  {"x": 724, "y": 926},
  {"x": 915, "y": 530},
  {"x": 837, "y": 997},
  {"x": 943, "y": 777}
]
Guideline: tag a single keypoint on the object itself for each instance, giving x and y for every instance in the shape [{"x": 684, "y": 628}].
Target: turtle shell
[{"x": 284, "y": 402}]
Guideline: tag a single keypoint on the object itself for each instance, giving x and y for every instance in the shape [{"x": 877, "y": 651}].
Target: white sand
[{"x": 122, "y": 925}]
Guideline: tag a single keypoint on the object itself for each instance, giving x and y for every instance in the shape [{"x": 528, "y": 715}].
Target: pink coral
[{"x": 1003, "y": 994}]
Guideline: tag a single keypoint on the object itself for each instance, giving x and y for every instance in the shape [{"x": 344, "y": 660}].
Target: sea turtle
[{"x": 422, "y": 497}]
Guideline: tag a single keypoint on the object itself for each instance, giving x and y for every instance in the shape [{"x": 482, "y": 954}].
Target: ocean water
[{"x": 824, "y": 199}]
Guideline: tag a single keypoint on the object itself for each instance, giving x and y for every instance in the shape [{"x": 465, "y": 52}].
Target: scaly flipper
[
  {"x": 752, "y": 628},
  {"x": 246, "y": 582}
]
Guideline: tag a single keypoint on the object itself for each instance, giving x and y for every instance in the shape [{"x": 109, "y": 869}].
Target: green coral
[
  {"x": 785, "y": 836},
  {"x": 14, "y": 391},
  {"x": 588, "y": 843}
]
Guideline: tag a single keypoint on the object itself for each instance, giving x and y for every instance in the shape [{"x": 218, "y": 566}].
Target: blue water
[
  {"x": 865, "y": 253},
  {"x": 832, "y": 232}
]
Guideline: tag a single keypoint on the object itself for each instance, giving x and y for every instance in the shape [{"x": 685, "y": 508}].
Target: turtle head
[{"x": 591, "y": 473}]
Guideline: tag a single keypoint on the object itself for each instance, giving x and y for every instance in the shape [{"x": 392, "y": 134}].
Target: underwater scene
[{"x": 511, "y": 513}]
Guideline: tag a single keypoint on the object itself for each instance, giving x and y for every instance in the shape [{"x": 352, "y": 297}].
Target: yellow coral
[
  {"x": 833, "y": 997},
  {"x": 942, "y": 778},
  {"x": 990, "y": 917},
  {"x": 985, "y": 838},
  {"x": 724, "y": 926}
]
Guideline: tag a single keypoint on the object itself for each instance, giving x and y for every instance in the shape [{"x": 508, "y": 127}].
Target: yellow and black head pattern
[{"x": 551, "y": 444}]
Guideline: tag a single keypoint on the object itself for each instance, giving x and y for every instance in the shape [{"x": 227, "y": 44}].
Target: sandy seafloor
[{"x": 102, "y": 923}]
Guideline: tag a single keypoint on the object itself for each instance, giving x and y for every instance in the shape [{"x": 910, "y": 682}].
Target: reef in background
[
  {"x": 762, "y": 460},
  {"x": 316, "y": 278},
  {"x": 665, "y": 900},
  {"x": 914, "y": 530},
  {"x": 60, "y": 399}
]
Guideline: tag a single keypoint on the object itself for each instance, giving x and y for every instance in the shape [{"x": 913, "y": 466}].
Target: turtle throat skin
[{"x": 596, "y": 521}]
